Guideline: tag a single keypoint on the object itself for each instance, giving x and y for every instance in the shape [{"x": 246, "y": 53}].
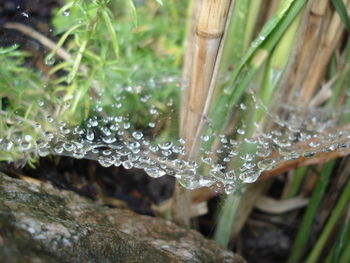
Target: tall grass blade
[
  {"x": 133, "y": 11},
  {"x": 297, "y": 180},
  {"x": 303, "y": 234},
  {"x": 336, "y": 213},
  {"x": 341, "y": 242}
]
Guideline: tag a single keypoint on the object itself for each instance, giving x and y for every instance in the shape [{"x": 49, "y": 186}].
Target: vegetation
[{"x": 258, "y": 58}]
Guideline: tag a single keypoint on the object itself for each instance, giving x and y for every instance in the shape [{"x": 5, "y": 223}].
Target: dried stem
[
  {"x": 204, "y": 49},
  {"x": 46, "y": 42}
]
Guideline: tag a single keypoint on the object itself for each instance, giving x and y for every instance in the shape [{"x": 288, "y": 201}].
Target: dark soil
[{"x": 133, "y": 187}]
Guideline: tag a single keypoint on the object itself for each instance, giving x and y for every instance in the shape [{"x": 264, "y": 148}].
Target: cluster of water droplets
[{"x": 114, "y": 139}]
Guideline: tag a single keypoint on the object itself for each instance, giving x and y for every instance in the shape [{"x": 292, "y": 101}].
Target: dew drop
[
  {"x": 155, "y": 172},
  {"x": 105, "y": 162},
  {"x": 165, "y": 145},
  {"x": 49, "y": 119},
  {"x": 205, "y": 138},
  {"x": 314, "y": 144},
  {"x": 66, "y": 12},
  {"x": 127, "y": 164},
  {"x": 241, "y": 131},
  {"x": 90, "y": 135},
  {"x": 137, "y": 135},
  {"x": 50, "y": 60},
  {"x": 69, "y": 147},
  {"x": 25, "y": 146},
  {"x": 109, "y": 139}
]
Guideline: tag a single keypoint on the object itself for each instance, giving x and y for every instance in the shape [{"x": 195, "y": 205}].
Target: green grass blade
[
  {"x": 226, "y": 218},
  {"x": 254, "y": 59},
  {"x": 133, "y": 11},
  {"x": 339, "y": 246},
  {"x": 345, "y": 256},
  {"x": 297, "y": 180},
  {"x": 303, "y": 234},
  {"x": 334, "y": 217},
  {"x": 112, "y": 32}
]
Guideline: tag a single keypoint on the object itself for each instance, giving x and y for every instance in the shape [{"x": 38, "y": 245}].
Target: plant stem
[
  {"x": 209, "y": 30},
  {"x": 297, "y": 179}
]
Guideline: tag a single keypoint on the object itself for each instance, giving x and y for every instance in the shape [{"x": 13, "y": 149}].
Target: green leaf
[
  {"x": 5, "y": 51},
  {"x": 133, "y": 11},
  {"x": 341, "y": 9}
]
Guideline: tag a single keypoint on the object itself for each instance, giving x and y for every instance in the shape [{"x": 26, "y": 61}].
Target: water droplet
[
  {"x": 25, "y": 146},
  {"x": 90, "y": 135},
  {"x": 241, "y": 131},
  {"x": 314, "y": 144},
  {"x": 66, "y": 12},
  {"x": 205, "y": 138},
  {"x": 43, "y": 149},
  {"x": 49, "y": 135},
  {"x": 6, "y": 144},
  {"x": 127, "y": 125},
  {"x": 248, "y": 178},
  {"x": 243, "y": 106},
  {"x": 109, "y": 139},
  {"x": 106, "y": 152},
  {"x": 152, "y": 124},
  {"x": 49, "y": 119},
  {"x": 137, "y": 135},
  {"x": 69, "y": 147},
  {"x": 50, "y": 60},
  {"x": 127, "y": 164},
  {"x": 165, "y": 145},
  {"x": 155, "y": 172},
  {"x": 58, "y": 148},
  {"x": 266, "y": 164},
  {"x": 105, "y": 161},
  {"x": 28, "y": 137}
]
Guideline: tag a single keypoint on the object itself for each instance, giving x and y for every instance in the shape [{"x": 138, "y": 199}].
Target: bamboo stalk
[
  {"x": 204, "y": 50},
  {"x": 319, "y": 64},
  {"x": 193, "y": 13},
  {"x": 312, "y": 23},
  {"x": 210, "y": 29}
]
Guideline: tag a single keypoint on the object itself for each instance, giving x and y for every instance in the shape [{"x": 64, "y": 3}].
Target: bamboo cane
[
  {"x": 204, "y": 50},
  {"x": 315, "y": 19},
  {"x": 331, "y": 38}
]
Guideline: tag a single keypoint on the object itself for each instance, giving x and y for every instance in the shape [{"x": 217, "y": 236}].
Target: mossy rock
[{"x": 39, "y": 223}]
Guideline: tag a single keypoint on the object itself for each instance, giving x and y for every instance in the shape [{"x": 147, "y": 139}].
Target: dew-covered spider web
[{"x": 109, "y": 135}]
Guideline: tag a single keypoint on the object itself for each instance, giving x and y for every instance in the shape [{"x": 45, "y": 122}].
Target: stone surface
[{"x": 44, "y": 224}]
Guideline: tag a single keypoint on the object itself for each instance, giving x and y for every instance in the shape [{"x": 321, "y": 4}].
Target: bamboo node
[{"x": 208, "y": 35}]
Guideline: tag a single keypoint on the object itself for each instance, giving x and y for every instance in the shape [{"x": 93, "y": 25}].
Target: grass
[{"x": 82, "y": 64}]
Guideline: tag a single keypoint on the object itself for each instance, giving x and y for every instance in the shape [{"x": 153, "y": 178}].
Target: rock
[{"x": 44, "y": 224}]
